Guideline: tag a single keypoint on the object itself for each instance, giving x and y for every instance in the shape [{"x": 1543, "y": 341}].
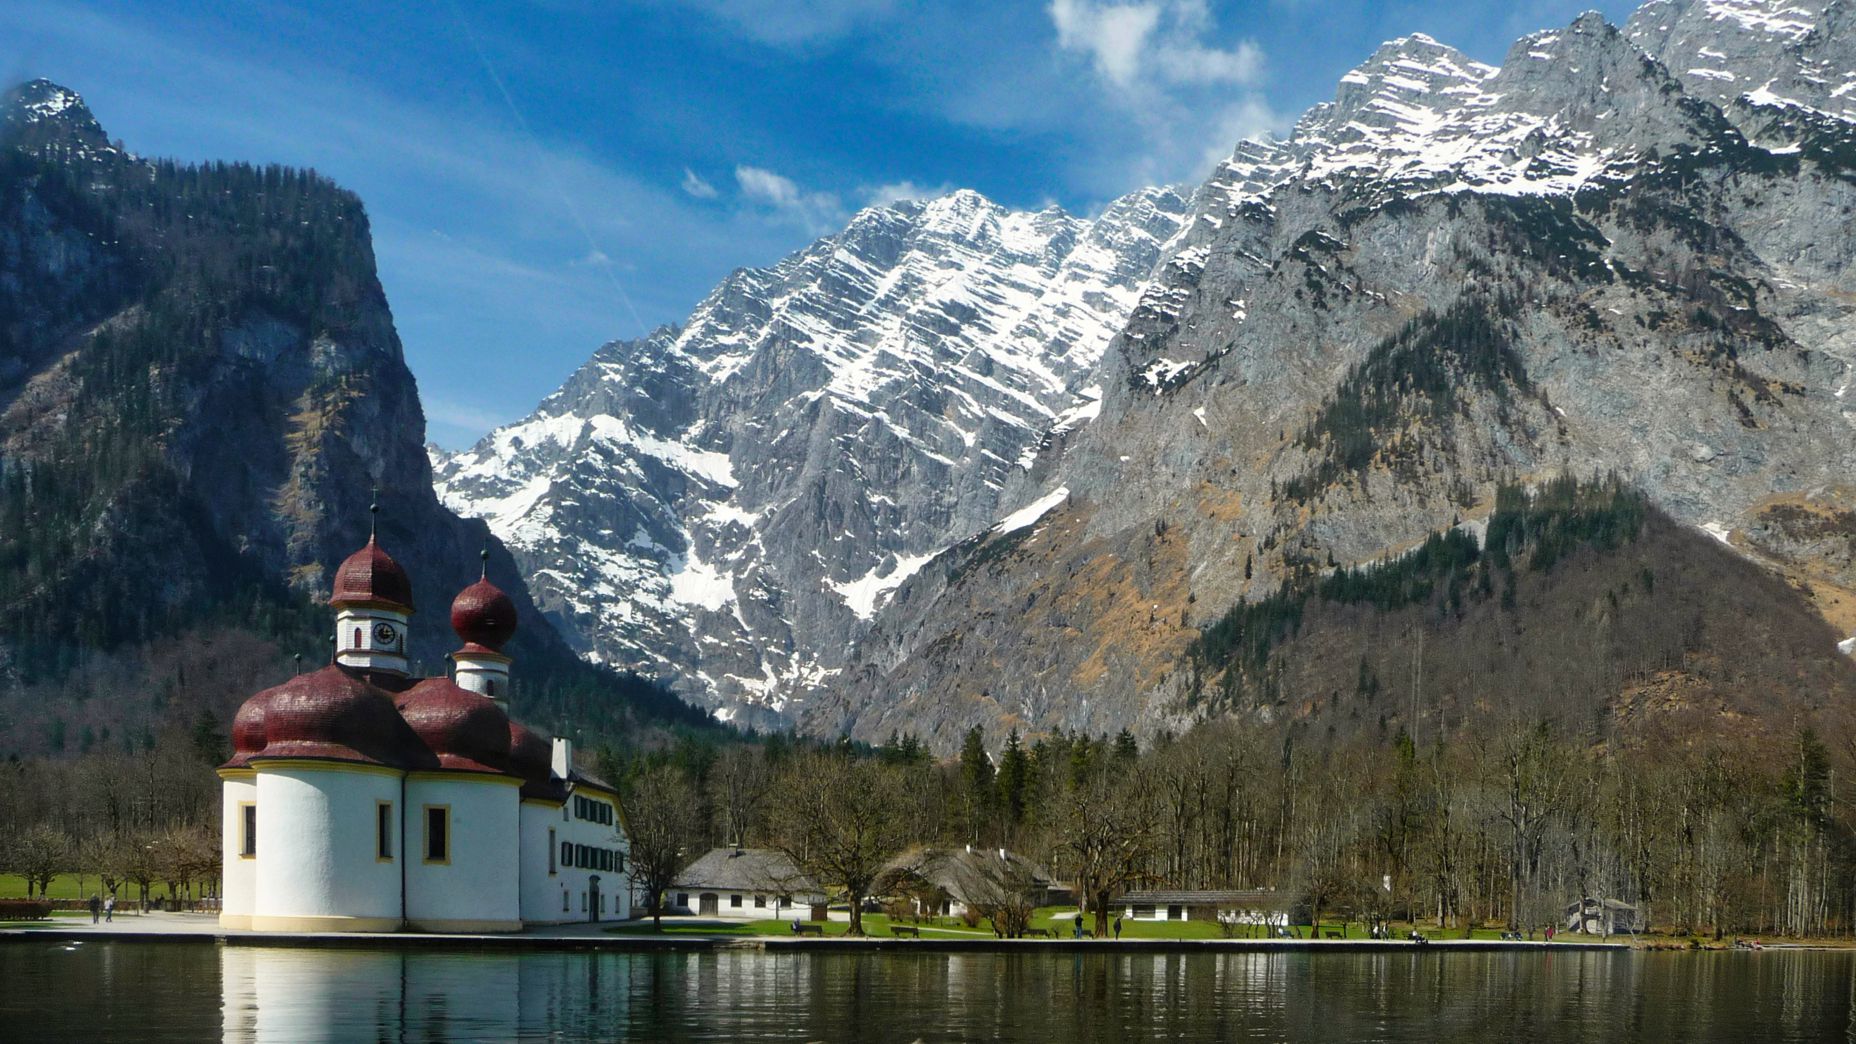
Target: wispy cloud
[
  {"x": 897, "y": 191},
  {"x": 694, "y": 185},
  {"x": 817, "y": 212},
  {"x": 1189, "y": 97},
  {"x": 1156, "y": 41}
]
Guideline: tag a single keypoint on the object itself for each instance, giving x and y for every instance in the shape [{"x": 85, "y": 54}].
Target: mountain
[
  {"x": 729, "y": 502},
  {"x": 200, "y": 390},
  {"x": 1618, "y": 255}
]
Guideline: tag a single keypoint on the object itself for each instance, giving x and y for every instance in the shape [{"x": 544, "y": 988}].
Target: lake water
[{"x": 153, "y": 991}]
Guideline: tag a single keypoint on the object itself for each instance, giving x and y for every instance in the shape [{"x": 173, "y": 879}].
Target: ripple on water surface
[{"x": 153, "y": 991}]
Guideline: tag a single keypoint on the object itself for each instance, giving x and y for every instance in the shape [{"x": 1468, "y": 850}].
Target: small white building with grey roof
[{"x": 747, "y": 884}]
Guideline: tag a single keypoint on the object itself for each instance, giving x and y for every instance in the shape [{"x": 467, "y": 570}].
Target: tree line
[{"x": 1506, "y": 826}]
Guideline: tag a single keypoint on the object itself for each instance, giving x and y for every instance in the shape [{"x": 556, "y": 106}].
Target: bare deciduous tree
[
  {"x": 836, "y": 818},
  {"x": 665, "y": 824}
]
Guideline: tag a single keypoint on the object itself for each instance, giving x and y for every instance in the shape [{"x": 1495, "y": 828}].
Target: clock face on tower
[{"x": 384, "y": 635}]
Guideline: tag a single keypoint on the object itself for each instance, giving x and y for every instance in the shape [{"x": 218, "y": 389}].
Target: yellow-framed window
[
  {"x": 384, "y": 830},
  {"x": 248, "y": 830},
  {"x": 438, "y": 833}
]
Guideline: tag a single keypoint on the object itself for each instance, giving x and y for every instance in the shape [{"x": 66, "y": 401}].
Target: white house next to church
[{"x": 359, "y": 798}]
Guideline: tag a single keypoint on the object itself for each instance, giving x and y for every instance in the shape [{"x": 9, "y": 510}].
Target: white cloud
[
  {"x": 766, "y": 186},
  {"x": 1113, "y": 35},
  {"x": 816, "y": 212},
  {"x": 696, "y": 186},
  {"x": 1186, "y": 93},
  {"x": 896, "y": 191},
  {"x": 1152, "y": 42}
]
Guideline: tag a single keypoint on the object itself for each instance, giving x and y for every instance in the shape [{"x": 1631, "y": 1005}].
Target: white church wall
[
  {"x": 476, "y": 887},
  {"x": 574, "y": 827},
  {"x": 317, "y": 865},
  {"x": 545, "y": 898},
  {"x": 238, "y": 875}
]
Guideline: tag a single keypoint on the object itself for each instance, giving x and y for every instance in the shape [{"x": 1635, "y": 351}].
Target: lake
[{"x": 175, "y": 991}]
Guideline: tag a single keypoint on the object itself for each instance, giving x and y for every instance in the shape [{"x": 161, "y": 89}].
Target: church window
[
  {"x": 489, "y": 687},
  {"x": 357, "y": 637},
  {"x": 248, "y": 830},
  {"x": 438, "y": 833},
  {"x": 383, "y": 831}
]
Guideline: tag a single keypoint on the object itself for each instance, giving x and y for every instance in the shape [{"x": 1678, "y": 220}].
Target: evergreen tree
[
  {"x": 976, "y": 775},
  {"x": 1126, "y": 750},
  {"x": 1014, "y": 780}
]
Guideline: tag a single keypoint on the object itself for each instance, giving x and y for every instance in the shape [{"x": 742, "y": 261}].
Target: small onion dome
[
  {"x": 466, "y": 731},
  {"x": 531, "y": 756},
  {"x": 333, "y": 715},
  {"x": 371, "y": 577},
  {"x": 483, "y": 616}
]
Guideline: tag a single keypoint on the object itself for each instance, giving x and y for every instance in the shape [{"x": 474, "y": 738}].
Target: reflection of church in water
[{"x": 359, "y": 798}]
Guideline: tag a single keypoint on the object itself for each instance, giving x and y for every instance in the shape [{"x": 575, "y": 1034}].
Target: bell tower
[
  {"x": 484, "y": 619},
  {"x": 373, "y": 604}
]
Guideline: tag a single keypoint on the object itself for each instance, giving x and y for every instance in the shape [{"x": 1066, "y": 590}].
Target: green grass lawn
[
  {"x": 72, "y": 886},
  {"x": 1059, "y": 920},
  {"x": 875, "y": 925}
]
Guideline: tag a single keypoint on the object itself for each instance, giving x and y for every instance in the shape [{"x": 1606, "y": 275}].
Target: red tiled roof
[
  {"x": 370, "y": 575},
  {"x": 483, "y": 615},
  {"x": 464, "y": 730}
]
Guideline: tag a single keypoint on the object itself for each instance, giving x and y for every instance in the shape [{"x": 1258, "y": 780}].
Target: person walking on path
[
  {"x": 1079, "y": 924},
  {"x": 1117, "y": 929},
  {"x": 96, "y": 907},
  {"x": 109, "y": 909}
]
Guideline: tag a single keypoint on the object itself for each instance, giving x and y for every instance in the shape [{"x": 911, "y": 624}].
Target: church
[{"x": 361, "y": 799}]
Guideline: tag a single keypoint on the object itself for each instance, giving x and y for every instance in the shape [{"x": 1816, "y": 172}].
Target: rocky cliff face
[
  {"x": 1620, "y": 251},
  {"x": 200, "y": 388},
  {"x": 729, "y": 502}
]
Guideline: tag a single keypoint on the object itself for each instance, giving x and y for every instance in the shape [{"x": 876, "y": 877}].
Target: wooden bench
[
  {"x": 809, "y": 929},
  {"x": 905, "y": 929},
  {"x": 1334, "y": 935},
  {"x": 1038, "y": 933}
]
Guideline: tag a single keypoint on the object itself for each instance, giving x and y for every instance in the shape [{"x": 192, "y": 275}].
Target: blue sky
[{"x": 548, "y": 175}]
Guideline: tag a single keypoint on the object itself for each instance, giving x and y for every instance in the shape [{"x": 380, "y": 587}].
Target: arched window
[
  {"x": 489, "y": 688},
  {"x": 357, "y": 637}
]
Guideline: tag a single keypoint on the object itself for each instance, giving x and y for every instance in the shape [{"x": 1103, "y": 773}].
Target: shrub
[{"x": 25, "y": 909}]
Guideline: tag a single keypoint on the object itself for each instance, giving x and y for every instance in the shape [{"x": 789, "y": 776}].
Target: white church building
[{"x": 359, "y": 798}]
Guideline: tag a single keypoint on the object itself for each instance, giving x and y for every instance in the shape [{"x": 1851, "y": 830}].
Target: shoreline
[{"x": 589, "y": 937}]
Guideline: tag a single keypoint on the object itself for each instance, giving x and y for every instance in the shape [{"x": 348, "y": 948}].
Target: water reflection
[{"x": 267, "y": 994}]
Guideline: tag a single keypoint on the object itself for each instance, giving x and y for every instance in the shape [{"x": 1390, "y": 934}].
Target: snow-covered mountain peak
[
  {"x": 48, "y": 111},
  {"x": 729, "y": 501},
  {"x": 1757, "y": 58}
]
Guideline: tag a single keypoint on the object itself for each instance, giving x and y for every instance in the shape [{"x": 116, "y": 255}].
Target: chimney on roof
[{"x": 563, "y": 757}]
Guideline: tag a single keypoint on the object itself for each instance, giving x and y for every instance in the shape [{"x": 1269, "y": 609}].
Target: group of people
[{"x": 104, "y": 907}]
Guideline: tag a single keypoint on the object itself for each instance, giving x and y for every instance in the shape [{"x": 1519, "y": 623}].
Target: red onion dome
[
  {"x": 466, "y": 731},
  {"x": 248, "y": 729},
  {"x": 531, "y": 756},
  {"x": 333, "y": 715},
  {"x": 371, "y": 577},
  {"x": 484, "y": 616}
]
